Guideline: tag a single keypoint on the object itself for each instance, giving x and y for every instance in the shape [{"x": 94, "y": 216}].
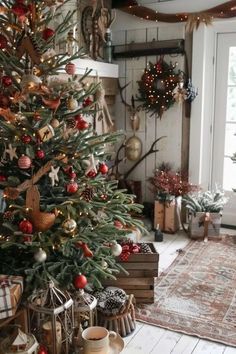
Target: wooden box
[
  {"x": 142, "y": 268},
  {"x": 167, "y": 215},
  {"x": 196, "y": 225}
]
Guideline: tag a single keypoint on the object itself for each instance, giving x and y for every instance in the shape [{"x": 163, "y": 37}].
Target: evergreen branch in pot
[{"x": 209, "y": 201}]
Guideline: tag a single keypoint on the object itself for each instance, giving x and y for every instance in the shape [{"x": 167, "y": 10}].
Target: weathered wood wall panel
[{"x": 151, "y": 127}]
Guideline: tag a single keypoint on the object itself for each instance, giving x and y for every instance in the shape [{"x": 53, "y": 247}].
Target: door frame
[{"x": 202, "y": 114}]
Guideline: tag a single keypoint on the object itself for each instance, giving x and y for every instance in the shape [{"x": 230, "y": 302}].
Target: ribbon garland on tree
[{"x": 156, "y": 87}]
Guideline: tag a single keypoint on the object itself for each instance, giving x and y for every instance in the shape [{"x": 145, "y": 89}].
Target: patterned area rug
[{"x": 197, "y": 294}]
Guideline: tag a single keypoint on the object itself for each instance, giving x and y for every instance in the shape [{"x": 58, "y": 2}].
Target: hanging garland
[
  {"x": 225, "y": 10},
  {"x": 156, "y": 87}
]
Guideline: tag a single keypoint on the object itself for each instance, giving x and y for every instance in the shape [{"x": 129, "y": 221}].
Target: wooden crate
[{"x": 142, "y": 268}]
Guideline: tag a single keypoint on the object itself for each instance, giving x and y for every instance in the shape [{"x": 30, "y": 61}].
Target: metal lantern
[
  {"x": 51, "y": 319},
  {"x": 20, "y": 343},
  {"x": 85, "y": 309}
]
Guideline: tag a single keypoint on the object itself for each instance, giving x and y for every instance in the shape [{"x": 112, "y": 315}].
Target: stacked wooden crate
[{"x": 142, "y": 268}]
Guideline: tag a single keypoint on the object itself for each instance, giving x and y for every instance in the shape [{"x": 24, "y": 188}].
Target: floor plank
[
  {"x": 185, "y": 345},
  {"x": 207, "y": 347},
  {"x": 145, "y": 340},
  {"x": 166, "y": 343},
  {"x": 128, "y": 339},
  {"x": 230, "y": 350}
]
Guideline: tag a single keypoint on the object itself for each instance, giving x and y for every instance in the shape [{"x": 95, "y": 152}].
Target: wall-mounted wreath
[{"x": 156, "y": 87}]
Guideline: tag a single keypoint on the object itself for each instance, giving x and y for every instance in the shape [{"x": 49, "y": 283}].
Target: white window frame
[{"x": 202, "y": 114}]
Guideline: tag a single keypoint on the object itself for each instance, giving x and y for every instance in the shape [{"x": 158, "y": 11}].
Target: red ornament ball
[
  {"x": 87, "y": 102},
  {"x": 47, "y": 33},
  {"x": 26, "y": 227},
  {"x": 81, "y": 124},
  {"x": 19, "y": 9},
  {"x": 72, "y": 175},
  {"x": 3, "y": 42},
  {"x": 6, "y": 80},
  {"x": 91, "y": 174},
  {"x": 24, "y": 162},
  {"x": 70, "y": 68},
  {"x": 40, "y": 154},
  {"x": 27, "y": 239},
  {"x": 80, "y": 281},
  {"x": 103, "y": 168},
  {"x": 42, "y": 350},
  {"x": 3, "y": 178},
  {"x": 37, "y": 117},
  {"x": 26, "y": 139},
  {"x": 4, "y": 101},
  {"x": 72, "y": 187},
  {"x": 118, "y": 224}
]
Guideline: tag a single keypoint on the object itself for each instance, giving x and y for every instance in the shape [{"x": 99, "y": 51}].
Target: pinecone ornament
[
  {"x": 71, "y": 123},
  {"x": 87, "y": 194},
  {"x": 145, "y": 248},
  {"x": 8, "y": 216}
]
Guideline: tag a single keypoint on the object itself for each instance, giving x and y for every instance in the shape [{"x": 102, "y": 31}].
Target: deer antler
[
  {"x": 131, "y": 106},
  {"x": 121, "y": 89}
]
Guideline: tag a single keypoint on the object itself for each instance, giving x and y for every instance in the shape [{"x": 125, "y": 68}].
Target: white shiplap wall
[{"x": 170, "y": 125}]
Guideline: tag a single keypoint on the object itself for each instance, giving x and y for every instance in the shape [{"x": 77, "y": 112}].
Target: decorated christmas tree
[{"x": 60, "y": 213}]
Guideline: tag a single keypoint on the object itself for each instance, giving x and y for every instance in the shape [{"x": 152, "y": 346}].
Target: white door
[{"x": 224, "y": 131}]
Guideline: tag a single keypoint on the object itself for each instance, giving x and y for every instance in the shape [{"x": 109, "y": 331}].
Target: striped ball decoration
[{"x": 24, "y": 162}]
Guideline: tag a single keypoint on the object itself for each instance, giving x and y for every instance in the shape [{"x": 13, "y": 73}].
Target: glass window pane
[
  {"x": 232, "y": 66},
  {"x": 230, "y": 139},
  {"x": 229, "y": 177},
  {"x": 231, "y": 104}
]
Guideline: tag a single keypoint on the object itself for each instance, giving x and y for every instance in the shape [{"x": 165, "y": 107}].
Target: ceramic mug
[{"x": 96, "y": 340}]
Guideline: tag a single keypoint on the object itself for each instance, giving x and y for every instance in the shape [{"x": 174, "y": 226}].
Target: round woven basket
[{"x": 122, "y": 323}]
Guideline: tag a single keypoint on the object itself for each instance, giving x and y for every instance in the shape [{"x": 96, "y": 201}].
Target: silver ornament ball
[{"x": 40, "y": 256}]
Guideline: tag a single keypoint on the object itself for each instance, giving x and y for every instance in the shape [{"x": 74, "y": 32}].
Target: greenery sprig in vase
[{"x": 209, "y": 201}]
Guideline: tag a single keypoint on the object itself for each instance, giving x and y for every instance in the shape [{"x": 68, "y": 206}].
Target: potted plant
[
  {"x": 205, "y": 213},
  {"x": 168, "y": 186}
]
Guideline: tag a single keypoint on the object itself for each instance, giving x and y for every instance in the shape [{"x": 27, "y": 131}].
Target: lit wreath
[{"x": 156, "y": 87}]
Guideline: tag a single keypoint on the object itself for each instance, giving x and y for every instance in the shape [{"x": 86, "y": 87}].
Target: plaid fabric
[{"x": 11, "y": 289}]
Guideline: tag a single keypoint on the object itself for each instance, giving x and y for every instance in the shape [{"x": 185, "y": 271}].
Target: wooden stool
[{"x": 122, "y": 323}]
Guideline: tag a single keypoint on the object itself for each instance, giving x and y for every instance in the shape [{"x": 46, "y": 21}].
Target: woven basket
[{"x": 122, "y": 323}]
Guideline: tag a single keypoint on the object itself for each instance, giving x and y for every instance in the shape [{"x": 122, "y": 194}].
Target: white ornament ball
[
  {"x": 72, "y": 104},
  {"x": 24, "y": 162},
  {"x": 40, "y": 256},
  {"x": 116, "y": 249},
  {"x": 69, "y": 226}
]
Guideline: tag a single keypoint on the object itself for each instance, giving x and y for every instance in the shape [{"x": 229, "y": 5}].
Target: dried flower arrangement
[{"x": 168, "y": 184}]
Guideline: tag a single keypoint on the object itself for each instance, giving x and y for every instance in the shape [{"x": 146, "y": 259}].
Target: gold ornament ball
[
  {"x": 69, "y": 226},
  {"x": 72, "y": 104}
]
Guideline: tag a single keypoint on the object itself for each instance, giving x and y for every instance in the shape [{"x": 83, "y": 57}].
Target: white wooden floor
[{"x": 150, "y": 339}]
